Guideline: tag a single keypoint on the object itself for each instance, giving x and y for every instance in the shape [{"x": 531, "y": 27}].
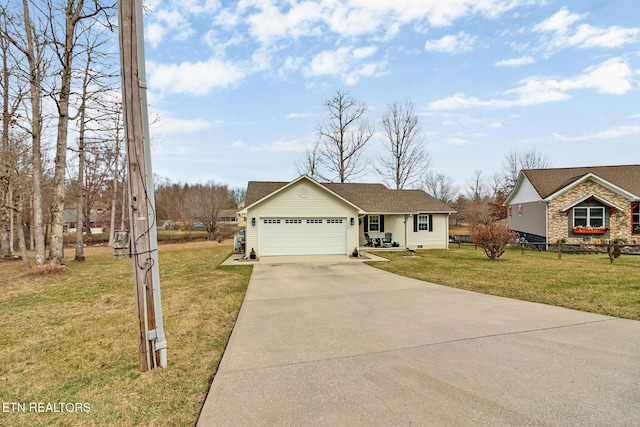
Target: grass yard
[
  {"x": 71, "y": 337},
  {"x": 582, "y": 282}
]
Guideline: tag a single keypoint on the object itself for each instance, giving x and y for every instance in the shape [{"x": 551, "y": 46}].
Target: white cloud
[
  {"x": 299, "y": 115},
  {"x": 612, "y": 77},
  {"x": 564, "y": 33},
  {"x": 154, "y": 33},
  {"x": 290, "y": 65},
  {"x": 271, "y": 21},
  {"x": 495, "y": 125},
  {"x": 282, "y": 146},
  {"x": 329, "y": 62},
  {"x": 458, "y": 141},
  {"x": 364, "y": 52},
  {"x": 516, "y": 62},
  {"x": 165, "y": 22},
  {"x": 167, "y": 124},
  {"x": 452, "y": 44},
  {"x": 345, "y": 63},
  {"x": 194, "y": 78},
  {"x": 559, "y": 22},
  {"x": 614, "y": 132}
]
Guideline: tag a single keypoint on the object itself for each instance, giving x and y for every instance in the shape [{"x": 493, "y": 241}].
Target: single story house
[
  {"x": 70, "y": 221},
  {"x": 577, "y": 204},
  {"x": 306, "y": 217},
  {"x": 230, "y": 217}
]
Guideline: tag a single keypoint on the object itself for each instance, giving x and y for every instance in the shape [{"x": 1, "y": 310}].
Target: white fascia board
[
  {"x": 595, "y": 178},
  {"x": 594, "y": 196},
  {"x": 412, "y": 213}
]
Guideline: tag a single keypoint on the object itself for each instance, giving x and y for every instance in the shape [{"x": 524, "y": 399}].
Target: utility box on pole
[{"x": 152, "y": 345}]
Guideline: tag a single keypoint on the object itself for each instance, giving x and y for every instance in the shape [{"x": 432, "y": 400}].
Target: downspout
[
  {"x": 406, "y": 237},
  {"x": 546, "y": 219},
  {"x": 447, "y": 237}
]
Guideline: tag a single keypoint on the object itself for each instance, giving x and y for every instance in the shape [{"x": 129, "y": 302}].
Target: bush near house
[{"x": 493, "y": 238}]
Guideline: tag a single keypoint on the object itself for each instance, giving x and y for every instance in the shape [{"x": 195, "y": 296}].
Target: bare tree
[
  {"x": 514, "y": 162},
  {"x": 503, "y": 183},
  {"x": 206, "y": 201},
  {"x": 12, "y": 95},
  {"x": 239, "y": 194},
  {"x": 407, "y": 160},
  {"x": 310, "y": 165},
  {"x": 31, "y": 42},
  {"x": 118, "y": 130},
  {"x": 440, "y": 186},
  {"x": 473, "y": 206},
  {"x": 65, "y": 36},
  {"x": 343, "y": 137},
  {"x": 91, "y": 110},
  {"x": 477, "y": 187}
]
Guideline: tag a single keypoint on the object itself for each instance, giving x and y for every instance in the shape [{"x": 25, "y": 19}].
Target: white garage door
[{"x": 303, "y": 236}]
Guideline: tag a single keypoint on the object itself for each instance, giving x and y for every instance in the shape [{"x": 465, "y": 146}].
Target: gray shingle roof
[
  {"x": 373, "y": 198},
  {"x": 548, "y": 181}
]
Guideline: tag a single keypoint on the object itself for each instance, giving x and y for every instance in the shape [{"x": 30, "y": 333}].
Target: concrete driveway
[{"x": 331, "y": 344}]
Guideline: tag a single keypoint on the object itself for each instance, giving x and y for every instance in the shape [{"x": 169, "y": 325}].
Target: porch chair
[
  {"x": 387, "y": 241},
  {"x": 369, "y": 241}
]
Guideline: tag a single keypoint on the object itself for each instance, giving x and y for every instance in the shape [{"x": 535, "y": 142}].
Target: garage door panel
[{"x": 302, "y": 236}]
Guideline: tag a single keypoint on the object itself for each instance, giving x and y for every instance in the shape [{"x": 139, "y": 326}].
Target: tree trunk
[
  {"x": 26, "y": 264},
  {"x": 123, "y": 208},
  {"x": 56, "y": 250},
  {"x": 114, "y": 192},
  {"x": 35, "y": 89},
  {"x": 79, "y": 256}
]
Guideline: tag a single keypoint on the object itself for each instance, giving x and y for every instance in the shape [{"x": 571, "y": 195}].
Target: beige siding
[
  {"x": 294, "y": 202},
  {"x": 406, "y": 237},
  {"x": 392, "y": 224},
  {"x": 436, "y": 239}
]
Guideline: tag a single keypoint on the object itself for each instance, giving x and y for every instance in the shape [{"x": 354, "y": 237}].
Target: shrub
[{"x": 493, "y": 238}]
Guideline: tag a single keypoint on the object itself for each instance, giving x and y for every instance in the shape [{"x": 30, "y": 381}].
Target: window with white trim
[
  {"x": 423, "y": 222},
  {"x": 592, "y": 217},
  {"x": 635, "y": 218},
  {"x": 374, "y": 222}
]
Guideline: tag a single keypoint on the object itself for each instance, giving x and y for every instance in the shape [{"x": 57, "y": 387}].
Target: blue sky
[{"x": 238, "y": 87}]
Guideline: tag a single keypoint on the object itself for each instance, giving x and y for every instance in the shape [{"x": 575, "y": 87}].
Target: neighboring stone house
[
  {"x": 306, "y": 217},
  {"x": 577, "y": 204}
]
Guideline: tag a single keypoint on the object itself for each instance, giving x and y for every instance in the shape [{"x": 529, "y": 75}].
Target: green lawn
[
  {"x": 582, "y": 282},
  {"x": 71, "y": 337}
]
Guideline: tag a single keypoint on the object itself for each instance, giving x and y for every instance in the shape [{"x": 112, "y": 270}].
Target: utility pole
[{"x": 152, "y": 345}]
